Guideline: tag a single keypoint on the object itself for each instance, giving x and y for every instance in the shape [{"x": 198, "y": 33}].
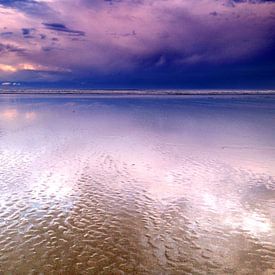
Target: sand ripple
[{"x": 80, "y": 196}]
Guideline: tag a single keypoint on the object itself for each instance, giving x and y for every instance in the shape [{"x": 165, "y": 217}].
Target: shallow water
[{"x": 137, "y": 185}]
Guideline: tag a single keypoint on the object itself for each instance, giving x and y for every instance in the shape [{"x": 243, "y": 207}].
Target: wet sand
[{"x": 137, "y": 184}]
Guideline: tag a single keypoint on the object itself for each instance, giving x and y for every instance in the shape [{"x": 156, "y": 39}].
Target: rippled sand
[{"x": 137, "y": 185}]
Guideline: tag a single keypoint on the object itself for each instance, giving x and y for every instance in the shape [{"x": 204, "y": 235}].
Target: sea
[{"x": 137, "y": 183}]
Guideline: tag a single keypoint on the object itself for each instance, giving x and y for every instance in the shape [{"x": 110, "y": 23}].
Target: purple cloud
[{"x": 128, "y": 36}]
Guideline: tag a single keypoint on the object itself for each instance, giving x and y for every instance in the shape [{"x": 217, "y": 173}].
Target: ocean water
[{"x": 137, "y": 184}]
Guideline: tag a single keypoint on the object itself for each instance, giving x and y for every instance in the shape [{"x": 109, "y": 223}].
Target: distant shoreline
[{"x": 136, "y": 92}]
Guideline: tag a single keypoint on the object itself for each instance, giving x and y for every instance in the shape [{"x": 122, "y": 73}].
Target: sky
[{"x": 131, "y": 44}]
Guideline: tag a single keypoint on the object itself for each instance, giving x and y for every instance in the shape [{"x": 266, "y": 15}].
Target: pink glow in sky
[{"x": 53, "y": 40}]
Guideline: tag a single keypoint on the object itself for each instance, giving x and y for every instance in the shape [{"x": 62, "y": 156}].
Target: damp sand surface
[{"x": 137, "y": 184}]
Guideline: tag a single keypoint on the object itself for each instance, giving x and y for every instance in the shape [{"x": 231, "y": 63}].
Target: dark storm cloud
[
  {"x": 142, "y": 42},
  {"x": 31, "y": 7},
  {"x": 47, "y": 49},
  {"x": 232, "y": 3},
  {"x": 7, "y": 48},
  {"x": 63, "y": 29},
  {"x": 6, "y": 34},
  {"x": 252, "y": 1},
  {"x": 28, "y": 32}
]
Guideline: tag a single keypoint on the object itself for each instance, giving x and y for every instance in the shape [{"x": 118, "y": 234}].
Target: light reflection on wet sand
[{"x": 146, "y": 185}]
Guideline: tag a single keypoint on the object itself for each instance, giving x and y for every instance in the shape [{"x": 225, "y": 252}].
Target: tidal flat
[{"x": 137, "y": 184}]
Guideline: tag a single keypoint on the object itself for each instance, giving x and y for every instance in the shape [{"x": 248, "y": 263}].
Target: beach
[{"x": 136, "y": 184}]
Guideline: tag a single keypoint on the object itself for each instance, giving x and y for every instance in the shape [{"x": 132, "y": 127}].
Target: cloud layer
[{"x": 151, "y": 41}]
